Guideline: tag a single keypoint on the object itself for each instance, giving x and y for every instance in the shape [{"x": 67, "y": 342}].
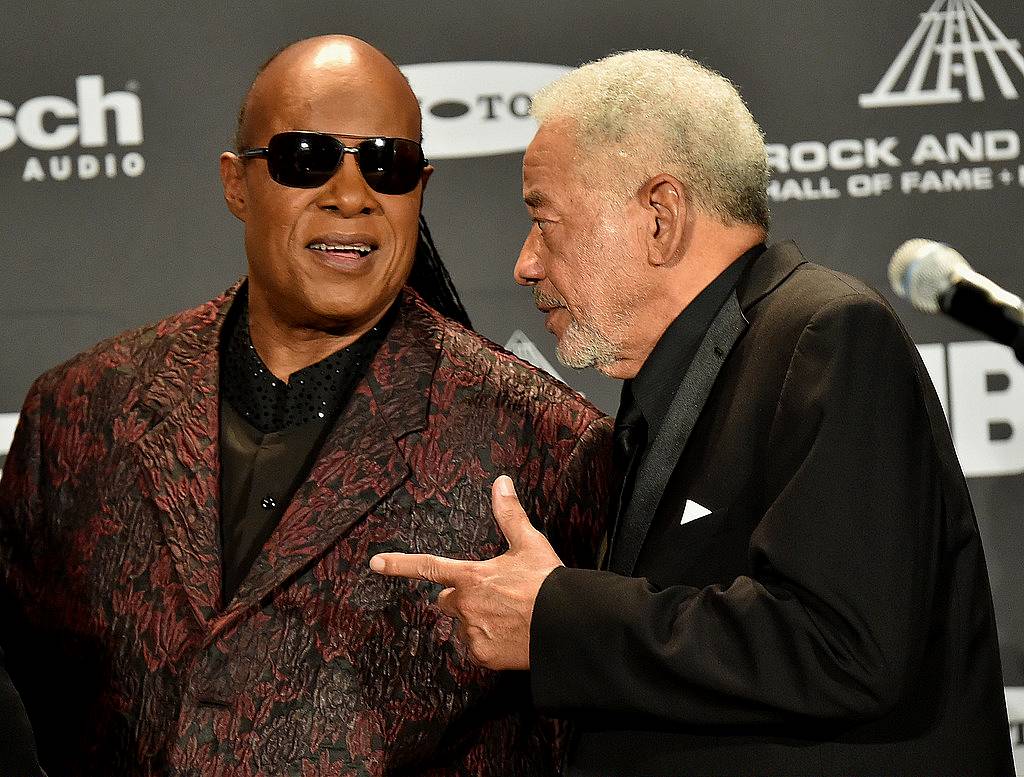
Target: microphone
[{"x": 935, "y": 277}]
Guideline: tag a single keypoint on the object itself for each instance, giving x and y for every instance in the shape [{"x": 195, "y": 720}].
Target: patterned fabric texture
[{"x": 110, "y": 562}]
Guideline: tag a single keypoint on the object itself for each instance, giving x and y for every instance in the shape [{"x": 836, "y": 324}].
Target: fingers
[
  {"x": 473, "y": 639},
  {"x": 511, "y": 518},
  {"x": 446, "y": 603},
  {"x": 437, "y": 569}
]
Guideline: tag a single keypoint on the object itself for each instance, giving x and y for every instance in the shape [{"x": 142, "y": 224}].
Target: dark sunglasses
[{"x": 305, "y": 160}]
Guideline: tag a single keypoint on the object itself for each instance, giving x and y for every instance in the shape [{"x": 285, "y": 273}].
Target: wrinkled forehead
[
  {"x": 335, "y": 99},
  {"x": 553, "y": 156}
]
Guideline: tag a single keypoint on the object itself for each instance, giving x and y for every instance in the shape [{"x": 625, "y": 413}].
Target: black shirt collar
[
  {"x": 650, "y": 393},
  {"x": 314, "y": 393}
]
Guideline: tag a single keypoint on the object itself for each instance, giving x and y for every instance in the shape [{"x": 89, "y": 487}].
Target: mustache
[{"x": 540, "y": 299}]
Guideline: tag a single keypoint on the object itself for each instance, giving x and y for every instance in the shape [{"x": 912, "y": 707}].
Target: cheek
[
  {"x": 281, "y": 235},
  {"x": 273, "y": 214},
  {"x": 268, "y": 247},
  {"x": 403, "y": 216},
  {"x": 403, "y": 222},
  {"x": 590, "y": 280}
]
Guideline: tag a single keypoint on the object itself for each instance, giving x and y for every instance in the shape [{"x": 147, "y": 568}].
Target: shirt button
[{"x": 268, "y": 503}]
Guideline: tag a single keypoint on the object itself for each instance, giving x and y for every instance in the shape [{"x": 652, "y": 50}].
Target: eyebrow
[{"x": 535, "y": 199}]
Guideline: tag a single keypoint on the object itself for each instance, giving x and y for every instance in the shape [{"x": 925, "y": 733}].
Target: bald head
[{"x": 317, "y": 69}]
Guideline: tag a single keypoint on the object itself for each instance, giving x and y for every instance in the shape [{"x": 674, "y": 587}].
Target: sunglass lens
[
  {"x": 390, "y": 165},
  {"x": 303, "y": 159}
]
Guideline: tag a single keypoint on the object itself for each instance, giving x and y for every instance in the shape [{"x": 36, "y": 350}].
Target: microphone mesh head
[{"x": 921, "y": 270}]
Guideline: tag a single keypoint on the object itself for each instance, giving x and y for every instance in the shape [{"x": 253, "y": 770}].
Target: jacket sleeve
[{"x": 835, "y": 609}]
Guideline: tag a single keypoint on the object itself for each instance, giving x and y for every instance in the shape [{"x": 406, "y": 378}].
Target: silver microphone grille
[{"x": 921, "y": 270}]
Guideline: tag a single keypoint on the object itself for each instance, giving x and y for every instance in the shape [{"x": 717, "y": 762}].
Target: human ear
[
  {"x": 664, "y": 200},
  {"x": 232, "y": 177},
  {"x": 425, "y": 175}
]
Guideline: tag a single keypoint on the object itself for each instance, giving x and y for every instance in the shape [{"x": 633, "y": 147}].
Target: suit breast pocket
[
  {"x": 702, "y": 527},
  {"x": 704, "y": 550}
]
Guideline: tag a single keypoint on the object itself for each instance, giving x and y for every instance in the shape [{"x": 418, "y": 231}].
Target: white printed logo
[
  {"x": 981, "y": 387},
  {"x": 54, "y": 123},
  {"x": 954, "y": 32},
  {"x": 523, "y": 347},
  {"x": 473, "y": 109}
]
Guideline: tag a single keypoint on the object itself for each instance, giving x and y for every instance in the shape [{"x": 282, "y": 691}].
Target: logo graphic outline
[
  {"x": 966, "y": 30},
  {"x": 478, "y": 108}
]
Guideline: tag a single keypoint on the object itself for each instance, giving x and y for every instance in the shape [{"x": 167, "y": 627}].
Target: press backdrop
[{"x": 887, "y": 121}]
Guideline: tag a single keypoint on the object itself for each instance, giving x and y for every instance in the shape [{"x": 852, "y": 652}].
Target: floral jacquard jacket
[{"x": 112, "y": 619}]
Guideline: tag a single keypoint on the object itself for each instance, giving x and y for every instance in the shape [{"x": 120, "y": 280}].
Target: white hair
[{"x": 659, "y": 112}]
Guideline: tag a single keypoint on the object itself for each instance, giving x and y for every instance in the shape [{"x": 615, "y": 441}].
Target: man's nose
[
  {"x": 347, "y": 191},
  {"x": 529, "y": 270}
]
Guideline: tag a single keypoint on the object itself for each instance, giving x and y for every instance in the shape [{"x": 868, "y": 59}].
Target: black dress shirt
[
  {"x": 271, "y": 432},
  {"x": 659, "y": 378}
]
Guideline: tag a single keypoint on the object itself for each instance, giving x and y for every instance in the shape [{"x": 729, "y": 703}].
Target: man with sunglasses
[{"x": 212, "y": 487}]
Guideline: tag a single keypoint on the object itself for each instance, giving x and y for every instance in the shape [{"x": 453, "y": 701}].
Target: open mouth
[
  {"x": 344, "y": 251},
  {"x": 349, "y": 250}
]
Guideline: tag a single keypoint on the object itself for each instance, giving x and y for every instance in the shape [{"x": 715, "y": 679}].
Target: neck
[
  {"x": 286, "y": 347},
  {"x": 675, "y": 284}
]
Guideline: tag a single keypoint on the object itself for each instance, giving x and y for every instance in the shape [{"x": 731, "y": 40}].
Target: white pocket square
[{"x": 693, "y": 511}]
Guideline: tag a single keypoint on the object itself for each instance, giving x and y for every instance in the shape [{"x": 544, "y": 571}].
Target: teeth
[{"x": 360, "y": 248}]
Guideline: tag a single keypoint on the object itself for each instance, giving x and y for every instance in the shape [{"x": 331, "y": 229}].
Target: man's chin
[
  {"x": 330, "y": 315},
  {"x": 341, "y": 302},
  {"x": 578, "y": 353}
]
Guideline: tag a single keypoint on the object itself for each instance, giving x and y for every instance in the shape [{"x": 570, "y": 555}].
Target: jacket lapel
[
  {"x": 663, "y": 454},
  {"x": 360, "y": 462},
  {"x": 760, "y": 279},
  {"x": 180, "y": 453}
]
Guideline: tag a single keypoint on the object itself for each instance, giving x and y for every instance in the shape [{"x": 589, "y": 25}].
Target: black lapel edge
[{"x": 687, "y": 405}]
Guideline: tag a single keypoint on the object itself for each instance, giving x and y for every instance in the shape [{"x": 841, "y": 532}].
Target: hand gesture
[{"x": 492, "y": 600}]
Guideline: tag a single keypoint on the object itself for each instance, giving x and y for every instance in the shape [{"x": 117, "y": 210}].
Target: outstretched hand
[{"x": 492, "y": 600}]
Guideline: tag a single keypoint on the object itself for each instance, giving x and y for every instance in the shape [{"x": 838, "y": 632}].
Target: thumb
[{"x": 511, "y": 518}]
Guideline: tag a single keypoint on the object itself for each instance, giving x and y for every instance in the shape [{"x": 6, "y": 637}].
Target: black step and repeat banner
[{"x": 885, "y": 121}]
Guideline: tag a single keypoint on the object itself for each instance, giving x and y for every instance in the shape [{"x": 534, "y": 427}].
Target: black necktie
[{"x": 628, "y": 441}]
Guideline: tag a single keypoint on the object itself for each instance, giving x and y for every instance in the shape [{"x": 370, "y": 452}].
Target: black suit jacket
[{"x": 832, "y": 614}]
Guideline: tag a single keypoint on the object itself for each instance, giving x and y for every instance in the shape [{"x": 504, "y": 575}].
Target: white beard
[{"x": 582, "y": 345}]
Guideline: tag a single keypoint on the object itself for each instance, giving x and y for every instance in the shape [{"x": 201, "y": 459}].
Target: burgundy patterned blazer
[{"x": 130, "y": 663}]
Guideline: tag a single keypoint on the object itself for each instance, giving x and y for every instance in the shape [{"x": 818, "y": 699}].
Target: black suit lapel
[{"x": 665, "y": 450}]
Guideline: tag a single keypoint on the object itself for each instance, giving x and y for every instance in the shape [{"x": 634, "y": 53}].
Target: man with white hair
[{"x": 795, "y": 582}]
